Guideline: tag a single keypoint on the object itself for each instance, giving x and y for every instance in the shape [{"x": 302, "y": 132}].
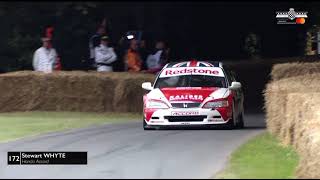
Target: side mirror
[
  {"x": 147, "y": 86},
  {"x": 235, "y": 85}
]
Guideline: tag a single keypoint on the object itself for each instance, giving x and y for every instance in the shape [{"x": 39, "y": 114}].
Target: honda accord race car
[{"x": 193, "y": 93}]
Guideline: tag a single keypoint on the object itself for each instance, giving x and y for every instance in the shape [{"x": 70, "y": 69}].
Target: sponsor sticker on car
[
  {"x": 186, "y": 97},
  {"x": 170, "y": 72},
  {"x": 184, "y": 113}
]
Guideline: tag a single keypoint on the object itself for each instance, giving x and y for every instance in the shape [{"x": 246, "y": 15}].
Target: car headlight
[
  {"x": 156, "y": 104},
  {"x": 216, "y": 104}
]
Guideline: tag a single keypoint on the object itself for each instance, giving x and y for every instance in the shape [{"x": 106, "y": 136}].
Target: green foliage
[
  {"x": 308, "y": 43},
  {"x": 23, "y": 46},
  {"x": 23, "y": 24},
  {"x": 262, "y": 157},
  {"x": 16, "y": 125},
  {"x": 310, "y": 38}
]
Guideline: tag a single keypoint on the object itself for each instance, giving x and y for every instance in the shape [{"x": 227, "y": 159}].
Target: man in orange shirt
[{"x": 132, "y": 58}]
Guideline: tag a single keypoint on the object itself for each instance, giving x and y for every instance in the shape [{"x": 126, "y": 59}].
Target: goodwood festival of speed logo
[{"x": 291, "y": 17}]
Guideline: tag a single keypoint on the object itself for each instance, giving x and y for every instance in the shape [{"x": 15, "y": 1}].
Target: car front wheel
[
  {"x": 231, "y": 124},
  {"x": 146, "y": 126},
  {"x": 240, "y": 124}
]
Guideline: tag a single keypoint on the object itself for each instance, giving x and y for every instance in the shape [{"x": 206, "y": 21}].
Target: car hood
[{"x": 194, "y": 94}]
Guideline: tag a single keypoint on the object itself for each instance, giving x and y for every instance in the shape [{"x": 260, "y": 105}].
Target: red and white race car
[{"x": 193, "y": 93}]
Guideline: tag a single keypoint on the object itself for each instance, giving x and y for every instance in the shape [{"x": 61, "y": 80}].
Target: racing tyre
[
  {"x": 146, "y": 126},
  {"x": 240, "y": 124},
  {"x": 231, "y": 123}
]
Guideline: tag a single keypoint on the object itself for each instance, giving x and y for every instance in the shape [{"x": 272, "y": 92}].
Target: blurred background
[{"x": 207, "y": 30}]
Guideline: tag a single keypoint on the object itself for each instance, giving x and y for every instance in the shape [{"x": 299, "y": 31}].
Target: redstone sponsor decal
[
  {"x": 186, "y": 97},
  {"x": 189, "y": 71},
  {"x": 184, "y": 113}
]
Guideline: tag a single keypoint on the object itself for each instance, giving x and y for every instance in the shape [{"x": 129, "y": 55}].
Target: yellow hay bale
[
  {"x": 72, "y": 91},
  {"x": 275, "y": 96},
  {"x": 303, "y": 117},
  {"x": 293, "y": 114},
  {"x": 307, "y": 132},
  {"x": 275, "y": 108},
  {"x": 285, "y": 70}
]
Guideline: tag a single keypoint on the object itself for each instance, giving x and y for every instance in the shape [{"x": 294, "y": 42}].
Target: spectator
[
  {"x": 132, "y": 57},
  {"x": 143, "y": 53},
  {"x": 95, "y": 41},
  {"x": 156, "y": 60},
  {"x": 49, "y": 34},
  {"x": 57, "y": 64},
  {"x": 45, "y": 57},
  {"x": 120, "y": 49},
  {"x": 104, "y": 56}
]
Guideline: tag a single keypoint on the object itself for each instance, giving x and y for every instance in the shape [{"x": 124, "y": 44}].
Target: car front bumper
[{"x": 184, "y": 117}]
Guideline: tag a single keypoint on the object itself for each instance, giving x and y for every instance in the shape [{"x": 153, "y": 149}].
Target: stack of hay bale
[
  {"x": 72, "y": 91},
  {"x": 292, "y": 103}
]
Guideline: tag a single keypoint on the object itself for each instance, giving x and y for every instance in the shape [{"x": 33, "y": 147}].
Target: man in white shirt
[
  {"x": 104, "y": 56},
  {"x": 158, "y": 58},
  {"x": 45, "y": 57}
]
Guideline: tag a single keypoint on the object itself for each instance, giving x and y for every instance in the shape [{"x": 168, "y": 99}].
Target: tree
[
  {"x": 311, "y": 40},
  {"x": 252, "y": 45},
  {"x": 23, "y": 24}
]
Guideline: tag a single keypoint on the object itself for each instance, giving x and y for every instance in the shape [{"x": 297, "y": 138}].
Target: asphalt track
[{"x": 125, "y": 150}]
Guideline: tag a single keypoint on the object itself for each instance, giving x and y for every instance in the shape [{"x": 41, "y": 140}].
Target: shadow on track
[{"x": 210, "y": 128}]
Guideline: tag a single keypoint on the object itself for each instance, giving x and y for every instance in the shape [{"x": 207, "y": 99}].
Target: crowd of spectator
[{"x": 103, "y": 56}]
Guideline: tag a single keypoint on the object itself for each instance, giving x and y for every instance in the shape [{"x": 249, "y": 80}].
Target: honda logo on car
[
  {"x": 168, "y": 72},
  {"x": 184, "y": 113},
  {"x": 186, "y": 97}
]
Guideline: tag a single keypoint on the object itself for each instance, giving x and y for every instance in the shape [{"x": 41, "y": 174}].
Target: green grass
[
  {"x": 20, "y": 124},
  {"x": 260, "y": 158}
]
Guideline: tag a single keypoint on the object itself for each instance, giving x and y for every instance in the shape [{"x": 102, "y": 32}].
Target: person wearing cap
[
  {"x": 94, "y": 41},
  {"x": 45, "y": 57},
  {"x": 104, "y": 55}
]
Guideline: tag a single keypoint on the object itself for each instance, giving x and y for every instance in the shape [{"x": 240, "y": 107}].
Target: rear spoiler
[{"x": 214, "y": 63}]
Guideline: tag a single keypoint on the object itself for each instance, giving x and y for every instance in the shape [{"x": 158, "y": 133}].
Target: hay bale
[
  {"x": 293, "y": 114},
  {"x": 72, "y": 91},
  {"x": 11, "y": 97},
  {"x": 276, "y": 97},
  {"x": 309, "y": 151},
  {"x": 275, "y": 108},
  {"x": 305, "y": 117},
  {"x": 286, "y": 70},
  {"x": 128, "y": 96}
]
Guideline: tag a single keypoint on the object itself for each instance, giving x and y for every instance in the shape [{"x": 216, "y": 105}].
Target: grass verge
[
  {"x": 20, "y": 124},
  {"x": 262, "y": 157}
]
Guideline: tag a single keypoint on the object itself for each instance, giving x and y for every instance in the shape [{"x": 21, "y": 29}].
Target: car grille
[
  {"x": 185, "y": 105},
  {"x": 185, "y": 118}
]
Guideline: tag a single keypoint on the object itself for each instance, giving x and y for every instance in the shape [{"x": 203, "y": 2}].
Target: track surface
[{"x": 125, "y": 150}]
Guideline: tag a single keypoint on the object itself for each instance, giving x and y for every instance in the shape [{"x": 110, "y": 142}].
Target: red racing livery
[{"x": 193, "y": 93}]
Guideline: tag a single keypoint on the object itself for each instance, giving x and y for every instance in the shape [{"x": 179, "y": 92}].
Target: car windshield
[{"x": 191, "y": 81}]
